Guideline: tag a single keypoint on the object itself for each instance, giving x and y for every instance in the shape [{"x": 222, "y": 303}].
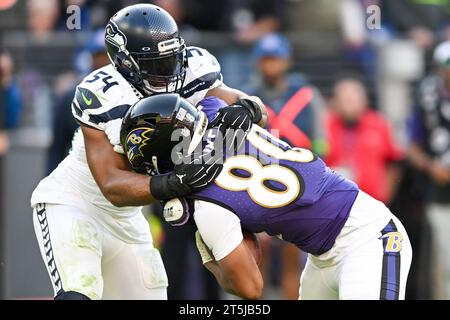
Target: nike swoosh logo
[{"x": 86, "y": 100}]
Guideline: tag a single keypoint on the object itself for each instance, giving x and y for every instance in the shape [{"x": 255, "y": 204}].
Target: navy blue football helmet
[{"x": 143, "y": 43}]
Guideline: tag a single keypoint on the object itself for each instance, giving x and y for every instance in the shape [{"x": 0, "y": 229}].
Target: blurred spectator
[
  {"x": 10, "y": 92},
  {"x": 294, "y": 106},
  {"x": 430, "y": 152},
  {"x": 63, "y": 123},
  {"x": 294, "y": 111},
  {"x": 42, "y": 17},
  {"x": 42, "y": 62},
  {"x": 422, "y": 21},
  {"x": 360, "y": 143},
  {"x": 353, "y": 22}
]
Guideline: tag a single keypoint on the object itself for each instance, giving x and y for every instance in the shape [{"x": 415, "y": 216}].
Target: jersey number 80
[{"x": 258, "y": 178}]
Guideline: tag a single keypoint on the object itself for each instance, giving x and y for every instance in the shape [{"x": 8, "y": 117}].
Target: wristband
[
  {"x": 167, "y": 186},
  {"x": 253, "y": 107}
]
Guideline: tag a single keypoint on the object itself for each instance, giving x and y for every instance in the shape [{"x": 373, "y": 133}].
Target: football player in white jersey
[{"x": 87, "y": 216}]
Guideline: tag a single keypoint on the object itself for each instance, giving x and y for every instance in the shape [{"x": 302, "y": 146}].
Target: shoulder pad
[
  {"x": 203, "y": 74},
  {"x": 201, "y": 62},
  {"x": 102, "y": 96}
]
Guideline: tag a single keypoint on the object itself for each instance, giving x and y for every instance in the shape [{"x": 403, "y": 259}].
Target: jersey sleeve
[
  {"x": 94, "y": 110},
  {"x": 100, "y": 98},
  {"x": 211, "y": 106},
  {"x": 220, "y": 228},
  {"x": 203, "y": 74}
]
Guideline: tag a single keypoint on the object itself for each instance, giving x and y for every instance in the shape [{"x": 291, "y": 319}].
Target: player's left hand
[{"x": 112, "y": 130}]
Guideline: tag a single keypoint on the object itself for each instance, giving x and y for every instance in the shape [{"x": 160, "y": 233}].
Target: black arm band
[
  {"x": 159, "y": 187},
  {"x": 166, "y": 187},
  {"x": 253, "y": 107}
]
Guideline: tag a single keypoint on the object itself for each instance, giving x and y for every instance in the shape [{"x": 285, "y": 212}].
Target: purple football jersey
[{"x": 283, "y": 191}]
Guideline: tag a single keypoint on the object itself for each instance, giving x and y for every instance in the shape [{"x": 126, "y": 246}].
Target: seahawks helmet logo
[
  {"x": 136, "y": 140},
  {"x": 115, "y": 37}
]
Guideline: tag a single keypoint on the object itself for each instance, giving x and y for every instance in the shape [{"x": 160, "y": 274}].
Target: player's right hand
[
  {"x": 238, "y": 116},
  {"x": 112, "y": 130},
  {"x": 191, "y": 175},
  {"x": 235, "y": 121}
]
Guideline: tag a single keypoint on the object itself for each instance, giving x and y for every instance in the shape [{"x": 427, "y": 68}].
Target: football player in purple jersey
[{"x": 357, "y": 249}]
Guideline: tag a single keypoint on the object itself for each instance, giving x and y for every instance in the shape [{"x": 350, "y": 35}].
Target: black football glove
[
  {"x": 236, "y": 120},
  {"x": 239, "y": 115},
  {"x": 193, "y": 174}
]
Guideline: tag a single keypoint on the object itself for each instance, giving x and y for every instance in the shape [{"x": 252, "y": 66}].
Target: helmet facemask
[
  {"x": 157, "y": 72},
  {"x": 163, "y": 73}
]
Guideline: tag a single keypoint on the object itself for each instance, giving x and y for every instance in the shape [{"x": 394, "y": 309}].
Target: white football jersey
[{"x": 103, "y": 96}]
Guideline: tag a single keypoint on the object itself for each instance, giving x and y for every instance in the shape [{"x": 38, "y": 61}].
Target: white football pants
[
  {"x": 370, "y": 259},
  {"x": 83, "y": 256}
]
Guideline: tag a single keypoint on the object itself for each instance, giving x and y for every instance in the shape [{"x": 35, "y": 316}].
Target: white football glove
[
  {"x": 112, "y": 130},
  {"x": 205, "y": 253}
]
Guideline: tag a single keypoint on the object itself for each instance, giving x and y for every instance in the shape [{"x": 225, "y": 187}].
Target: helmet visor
[{"x": 163, "y": 66}]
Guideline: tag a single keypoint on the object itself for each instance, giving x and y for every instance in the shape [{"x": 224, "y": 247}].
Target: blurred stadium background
[{"x": 324, "y": 53}]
